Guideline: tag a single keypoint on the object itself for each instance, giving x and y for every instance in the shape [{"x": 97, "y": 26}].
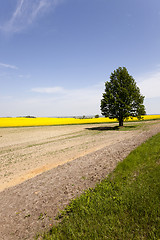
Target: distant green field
[{"x": 124, "y": 206}]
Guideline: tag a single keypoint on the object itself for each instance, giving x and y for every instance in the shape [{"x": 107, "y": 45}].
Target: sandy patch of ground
[{"x": 89, "y": 155}]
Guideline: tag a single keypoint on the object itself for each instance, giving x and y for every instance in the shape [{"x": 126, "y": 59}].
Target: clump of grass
[{"x": 123, "y": 206}]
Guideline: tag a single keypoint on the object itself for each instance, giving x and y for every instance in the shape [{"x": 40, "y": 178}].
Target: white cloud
[
  {"x": 68, "y": 102},
  {"x": 150, "y": 85},
  {"x": 56, "y": 101},
  {"x": 5, "y": 97},
  {"x": 24, "y": 76},
  {"x": 8, "y": 66},
  {"x": 48, "y": 90},
  {"x": 26, "y": 13},
  {"x": 71, "y": 93}
]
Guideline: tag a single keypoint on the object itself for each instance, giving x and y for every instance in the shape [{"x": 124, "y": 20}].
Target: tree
[{"x": 122, "y": 98}]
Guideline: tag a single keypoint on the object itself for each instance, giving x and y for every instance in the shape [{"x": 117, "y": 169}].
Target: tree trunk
[{"x": 120, "y": 123}]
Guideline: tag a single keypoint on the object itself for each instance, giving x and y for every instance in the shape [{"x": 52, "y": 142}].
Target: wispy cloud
[
  {"x": 26, "y": 13},
  {"x": 48, "y": 90},
  {"x": 5, "y": 97},
  {"x": 55, "y": 101},
  {"x": 58, "y": 101},
  {"x": 8, "y": 66},
  {"x": 24, "y": 76},
  {"x": 73, "y": 93}
]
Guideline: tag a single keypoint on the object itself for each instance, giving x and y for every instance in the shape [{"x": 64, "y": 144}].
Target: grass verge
[{"x": 126, "y": 205}]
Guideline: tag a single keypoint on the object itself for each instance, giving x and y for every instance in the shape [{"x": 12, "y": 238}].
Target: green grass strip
[{"x": 126, "y": 205}]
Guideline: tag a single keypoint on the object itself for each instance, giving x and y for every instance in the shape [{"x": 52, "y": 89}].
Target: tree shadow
[
  {"x": 104, "y": 128},
  {"x": 115, "y": 128}
]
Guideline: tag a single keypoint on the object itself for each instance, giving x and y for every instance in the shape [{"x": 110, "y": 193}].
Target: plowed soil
[{"x": 43, "y": 168}]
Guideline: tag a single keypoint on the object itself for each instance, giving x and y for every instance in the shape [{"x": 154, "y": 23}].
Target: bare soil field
[
  {"x": 27, "y": 152},
  {"x": 43, "y": 168}
]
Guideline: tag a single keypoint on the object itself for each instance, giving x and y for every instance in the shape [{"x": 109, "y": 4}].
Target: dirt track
[{"x": 31, "y": 206}]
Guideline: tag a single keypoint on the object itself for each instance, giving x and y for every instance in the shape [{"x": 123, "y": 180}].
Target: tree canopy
[{"x": 122, "y": 97}]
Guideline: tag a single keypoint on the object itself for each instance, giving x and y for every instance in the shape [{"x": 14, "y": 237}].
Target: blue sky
[{"x": 55, "y": 55}]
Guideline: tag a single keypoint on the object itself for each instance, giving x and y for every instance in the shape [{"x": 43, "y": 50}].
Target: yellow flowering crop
[{"x": 23, "y": 122}]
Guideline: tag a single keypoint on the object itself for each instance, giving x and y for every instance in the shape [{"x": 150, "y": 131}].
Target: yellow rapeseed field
[{"x": 24, "y": 122}]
